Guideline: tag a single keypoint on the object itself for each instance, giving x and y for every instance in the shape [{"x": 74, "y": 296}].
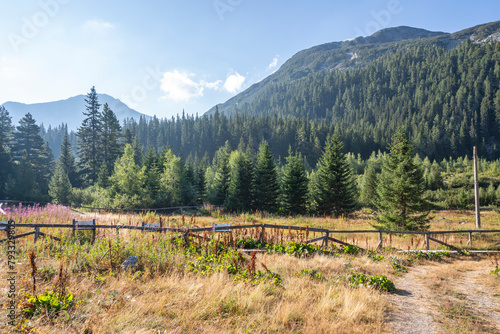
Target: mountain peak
[
  {"x": 400, "y": 33},
  {"x": 68, "y": 111}
]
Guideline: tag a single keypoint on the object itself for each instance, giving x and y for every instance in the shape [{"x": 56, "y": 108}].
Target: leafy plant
[
  {"x": 312, "y": 274},
  {"x": 379, "y": 282},
  {"x": 50, "y": 303}
]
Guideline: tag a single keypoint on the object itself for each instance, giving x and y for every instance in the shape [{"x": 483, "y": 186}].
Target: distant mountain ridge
[
  {"x": 69, "y": 111},
  {"x": 351, "y": 54}
]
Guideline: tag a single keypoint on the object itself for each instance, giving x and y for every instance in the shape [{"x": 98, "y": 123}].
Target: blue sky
[{"x": 161, "y": 56}]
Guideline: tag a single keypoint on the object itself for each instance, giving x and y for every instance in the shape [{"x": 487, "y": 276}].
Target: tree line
[{"x": 113, "y": 169}]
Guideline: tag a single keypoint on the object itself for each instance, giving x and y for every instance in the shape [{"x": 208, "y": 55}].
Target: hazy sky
[{"x": 162, "y": 56}]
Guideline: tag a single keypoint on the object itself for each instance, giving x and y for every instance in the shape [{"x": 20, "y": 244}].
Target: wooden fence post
[
  {"x": 427, "y": 241},
  {"x": 380, "y": 241},
  {"x": 37, "y": 232},
  {"x": 476, "y": 189},
  {"x": 327, "y": 237},
  {"x": 469, "y": 242}
]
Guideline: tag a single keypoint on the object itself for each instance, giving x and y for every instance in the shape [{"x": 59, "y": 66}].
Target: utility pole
[{"x": 476, "y": 189}]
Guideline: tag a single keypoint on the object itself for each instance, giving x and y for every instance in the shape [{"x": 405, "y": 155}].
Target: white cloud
[
  {"x": 234, "y": 82},
  {"x": 216, "y": 85},
  {"x": 179, "y": 86},
  {"x": 97, "y": 26},
  {"x": 274, "y": 63}
]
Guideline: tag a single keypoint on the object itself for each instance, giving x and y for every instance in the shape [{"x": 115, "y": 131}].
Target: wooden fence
[{"x": 325, "y": 239}]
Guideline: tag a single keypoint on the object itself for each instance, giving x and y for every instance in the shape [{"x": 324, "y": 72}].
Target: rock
[{"x": 130, "y": 262}]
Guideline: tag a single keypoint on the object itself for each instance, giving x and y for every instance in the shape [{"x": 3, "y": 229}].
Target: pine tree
[
  {"x": 6, "y": 168},
  {"x": 6, "y": 128},
  {"x": 222, "y": 175},
  {"x": 240, "y": 186},
  {"x": 110, "y": 137},
  {"x": 294, "y": 185},
  {"x": 29, "y": 145},
  {"x": 90, "y": 136},
  {"x": 152, "y": 174},
  {"x": 368, "y": 194},
  {"x": 67, "y": 161},
  {"x": 22, "y": 185},
  {"x": 60, "y": 187},
  {"x": 401, "y": 189},
  {"x": 127, "y": 180},
  {"x": 265, "y": 181},
  {"x": 334, "y": 191}
]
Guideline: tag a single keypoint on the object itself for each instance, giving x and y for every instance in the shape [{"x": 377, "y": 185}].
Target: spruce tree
[
  {"x": 67, "y": 161},
  {"x": 90, "y": 136},
  {"x": 369, "y": 194},
  {"x": 240, "y": 186},
  {"x": 265, "y": 181},
  {"x": 127, "y": 180},
  {"x": 111, "y": 132},
  {"x": 294, "y": 185},
  {"x": 60, "y": 187},
  {"x": 334, "y": 191},
  {"x": 222, "y": 175},
  {"x": 401, "y": 189},
  {"x": 29, "y": 145},
  {"x": 6, "y": 128},
  {"x": 6, "y": 131}
]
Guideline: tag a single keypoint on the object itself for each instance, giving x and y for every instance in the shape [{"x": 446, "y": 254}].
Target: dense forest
[{"x": 445, "y": 100}]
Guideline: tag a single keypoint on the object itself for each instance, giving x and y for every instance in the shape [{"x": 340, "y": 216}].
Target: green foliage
[
  {"x": 294, "y": 186},
  {"x": 495, "y": 272},
  {"x": 401, "y": 190},
  {"x": 333, "y": 189},
  {"x": 313, "y": 274},
  {"x": 128, "y": 178},
  {"x": 60, "y": 187},
  {"x": 350, "y": 249},
  {"x": 398, "y": 267},
  {"x": 90, "y": 139},
  {"x": 265, "y": 181},
  {"x": 241, "y": 178},
  {"x": 379, "y": 282},
  {"x": 50, "y": 304}
]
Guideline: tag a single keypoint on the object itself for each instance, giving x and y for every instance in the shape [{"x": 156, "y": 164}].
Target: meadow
[{"x": 213, "y": 285}]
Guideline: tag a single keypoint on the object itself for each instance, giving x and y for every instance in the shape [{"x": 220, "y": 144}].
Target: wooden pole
[
  {"x": 37, "y": 233},
  {"x": 476, "y": 190},
  {"x": 427, "y": 241}
]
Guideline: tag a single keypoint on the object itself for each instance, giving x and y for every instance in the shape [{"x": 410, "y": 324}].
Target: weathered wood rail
[{"x": 325, "y": 239}]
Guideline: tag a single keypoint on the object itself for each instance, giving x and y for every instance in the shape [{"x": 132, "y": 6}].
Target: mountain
[
  {"x": 68, "y": 111},
  {"x": 347, "y": 55}
]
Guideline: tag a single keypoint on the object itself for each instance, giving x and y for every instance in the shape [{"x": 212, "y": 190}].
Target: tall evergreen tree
[
  {"x": 29, "y": 145},
  {"x": 60, "y": 187},
  {"x": 294, "y": 185},
  {"x": 265, "y": 181},
  {"x": 222, "y": 175},
  {"x": 67, "y": 161},
  {"x": 401, "y": 189},
  {"x": 240, "y": 185},
  {"x": 369, "y": 194},
  {"x": 110, "y": 138},
  {"x": 6, "y": 128},
  {"x": 127, "y": 180},
  {"x": 90, "y": 139},
  {"x": 334, "y": 191}
]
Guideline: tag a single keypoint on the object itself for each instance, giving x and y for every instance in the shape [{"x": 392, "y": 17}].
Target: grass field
[{"x": 210, "y": 286}]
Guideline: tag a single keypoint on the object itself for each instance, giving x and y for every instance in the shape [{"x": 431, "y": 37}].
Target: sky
[{"x": 161, "y": 57}]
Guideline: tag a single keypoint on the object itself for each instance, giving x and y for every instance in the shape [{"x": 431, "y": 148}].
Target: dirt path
[
  {"x": 445, "y": 298},
  {"x": 412, "y": 311}
]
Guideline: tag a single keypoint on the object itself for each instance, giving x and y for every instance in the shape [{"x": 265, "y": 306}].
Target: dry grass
[
  {"x": 183, "y": 302},
  {"x": 167, "y": 298}
]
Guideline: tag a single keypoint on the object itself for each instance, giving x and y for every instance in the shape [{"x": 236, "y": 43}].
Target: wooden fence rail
[{"x": 326, "y": 238}]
